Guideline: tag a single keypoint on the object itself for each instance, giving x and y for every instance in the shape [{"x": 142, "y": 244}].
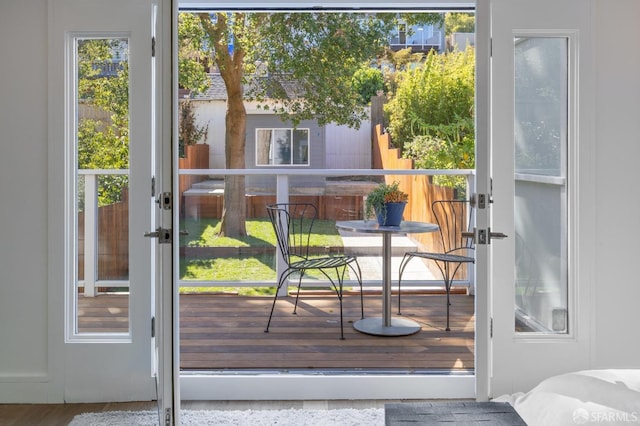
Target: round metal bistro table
[{"x": 386, "y": 325}]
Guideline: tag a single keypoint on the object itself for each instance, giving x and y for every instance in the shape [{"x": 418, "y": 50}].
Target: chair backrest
[
  {"x": 292, "y": 223},
  {"x": 454, "y": 217}
]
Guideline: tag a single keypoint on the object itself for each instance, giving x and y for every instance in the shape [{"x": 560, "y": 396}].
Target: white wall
[
  {"x": 28, "y": 356},
  {"x": 24, "y": 349},
  {"x": 617, "y": 292}
]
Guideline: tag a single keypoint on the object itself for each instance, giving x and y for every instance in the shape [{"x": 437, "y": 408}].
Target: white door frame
[{"x": 211, "y": 386}]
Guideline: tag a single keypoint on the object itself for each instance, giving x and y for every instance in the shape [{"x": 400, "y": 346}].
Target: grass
[{"x": 204, "y": 233}]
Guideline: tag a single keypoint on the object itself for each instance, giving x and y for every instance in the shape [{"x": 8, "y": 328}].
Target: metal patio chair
[
  {"x": 454, "y": 217},
  {"x": 293, "y": 223}
]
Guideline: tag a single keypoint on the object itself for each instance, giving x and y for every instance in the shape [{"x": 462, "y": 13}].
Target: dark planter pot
[{"x": 390, "y": 214}]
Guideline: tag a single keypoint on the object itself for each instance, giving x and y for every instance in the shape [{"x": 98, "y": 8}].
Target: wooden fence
[
  {"x": 419, "y": 187},
  {"x": 112, "y": 242}
]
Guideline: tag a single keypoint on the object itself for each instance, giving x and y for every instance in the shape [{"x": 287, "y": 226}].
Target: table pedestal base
[{"x": 399, "y": 327}]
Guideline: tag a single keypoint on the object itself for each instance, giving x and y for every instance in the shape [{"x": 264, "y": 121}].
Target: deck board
[{"x": 226, "y": 332}]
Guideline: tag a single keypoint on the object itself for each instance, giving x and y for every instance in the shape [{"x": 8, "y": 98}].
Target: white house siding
[
  {"x": 212, "y": 114},
  {"x": 348, "y": 148}
]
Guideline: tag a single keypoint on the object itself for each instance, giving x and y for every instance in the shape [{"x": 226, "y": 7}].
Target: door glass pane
[
  {"x": 540, "y": 205},
  {"x": 102, "y": 185}
]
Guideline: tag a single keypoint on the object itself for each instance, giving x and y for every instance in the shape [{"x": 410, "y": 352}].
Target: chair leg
[
  {"x": 405, "y": 259},
  {"x": 295, "y": 306},
  {"x": 339, "y": 293},
  {"x": 273, "y": 305},
  {"x": 358, "y": 274},
  {"x": 341, "y": 318},
  {"x": 447, "y": 284}
]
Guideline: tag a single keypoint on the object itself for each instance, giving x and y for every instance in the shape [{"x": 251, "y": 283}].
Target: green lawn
[{"x": 203, "y": 233}]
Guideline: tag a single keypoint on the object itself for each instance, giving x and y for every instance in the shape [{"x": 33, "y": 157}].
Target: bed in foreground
[{"x": 610, "y": 397}]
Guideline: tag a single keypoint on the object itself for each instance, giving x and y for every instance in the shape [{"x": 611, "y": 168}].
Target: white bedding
[{"x": 608, "y": 397}]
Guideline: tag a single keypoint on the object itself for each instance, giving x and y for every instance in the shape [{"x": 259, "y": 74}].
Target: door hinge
[
  {"x": 153, "y": 187},
  {"x": 153, "y": 47},
  {"x": 153, "y": 327},
  {"x": 163, "y": 235},
  {"x": 167, "y": 417},
  {"x": 491, "y": 327}
]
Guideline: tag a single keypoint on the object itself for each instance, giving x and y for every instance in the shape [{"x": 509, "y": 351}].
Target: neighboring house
[
  {"x": 421, "y": 38},
  {"x": 270, "y": 142}
]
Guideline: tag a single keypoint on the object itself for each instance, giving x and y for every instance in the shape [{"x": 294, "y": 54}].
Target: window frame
[{"x": 292, "y": 131}]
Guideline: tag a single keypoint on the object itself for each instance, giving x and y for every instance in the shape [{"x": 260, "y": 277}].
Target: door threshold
[{"x": 276, "y": 385}]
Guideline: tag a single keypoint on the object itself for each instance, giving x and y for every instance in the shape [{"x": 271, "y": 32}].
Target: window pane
[
  {"x": 102, "y": 180},
  {"x": 540, "y": 96},
  {"x": 282, "y": 146},
  {"x": 301, "y": 146},
  {"x": 263, "y": 147},
  {"x": 540, "y": 205}
]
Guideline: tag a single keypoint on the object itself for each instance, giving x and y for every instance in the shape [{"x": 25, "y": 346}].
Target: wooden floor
[
  {"x": 60, "y": 414},
  {"x": 226, "y": 332}
]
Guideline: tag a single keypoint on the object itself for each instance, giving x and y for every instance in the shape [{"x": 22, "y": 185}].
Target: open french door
[
  {"x": 540, "y": 110},
  {"x": 106, "y": 94},
  {"x": 165, "y": 326}
]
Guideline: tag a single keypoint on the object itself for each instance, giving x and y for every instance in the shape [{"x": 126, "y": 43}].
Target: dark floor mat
[{"x": 451, "y": 413}]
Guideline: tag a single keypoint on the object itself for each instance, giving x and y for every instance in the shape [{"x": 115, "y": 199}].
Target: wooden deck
[{"x": 226, "y": 332}]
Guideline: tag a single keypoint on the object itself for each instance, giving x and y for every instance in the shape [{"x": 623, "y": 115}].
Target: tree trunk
[{"x": 234, "y": 211}]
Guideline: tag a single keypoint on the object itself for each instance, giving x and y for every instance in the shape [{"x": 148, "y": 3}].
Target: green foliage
[
  {"x": 315, "y": 53},
  {"x": 439, "y": 91},
  {"x": 104, "y": 144},
  {"x": 446, "y": 146},
  {"x": 368, "y": 82},
  {"x": 189, "y": 132},
  {"x": 192, "y": 54},
  {"x": 458, "y": 22},
  {"x": 431, "y": 116}
]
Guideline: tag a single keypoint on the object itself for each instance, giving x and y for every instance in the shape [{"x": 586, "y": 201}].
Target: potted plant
[
  {"x": 387, "y": 202},
  {"x": 189, "y": 132}
]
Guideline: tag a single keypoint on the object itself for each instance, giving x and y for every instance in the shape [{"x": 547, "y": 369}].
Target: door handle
[
  {"x": 481, "y": 236},
  {"x": 163, "y": 235},
  {"x": 497, "y": 235}
]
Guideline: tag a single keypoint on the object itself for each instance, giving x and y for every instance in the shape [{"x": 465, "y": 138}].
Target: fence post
[
  {"x": 282, "y": 196},
  {"x": 90, "y": 231},
  {"x": 471, "y": 269}
]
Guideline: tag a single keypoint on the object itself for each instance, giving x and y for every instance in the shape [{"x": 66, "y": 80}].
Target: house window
[{"x": 277, "y": 147}]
